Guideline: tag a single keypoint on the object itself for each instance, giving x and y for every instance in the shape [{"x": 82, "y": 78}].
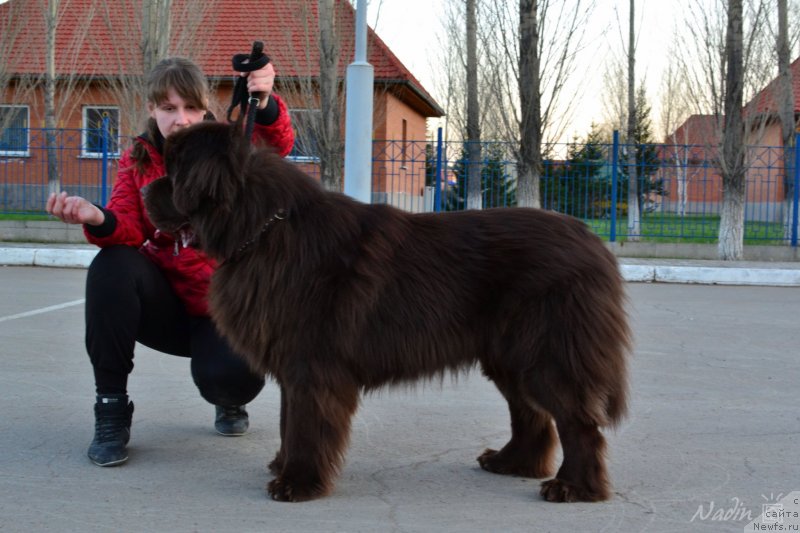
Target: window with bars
[
  {"x": 307, "y": 123},
  {"x": 15, "y": 133},
  {"x": 92, "y": 131}
]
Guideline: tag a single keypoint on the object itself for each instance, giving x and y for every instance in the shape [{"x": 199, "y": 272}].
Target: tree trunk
[
  {"x": 634, "y": 227},
  {"x": 330, "y": 142},
  {"x": 156, "y": 27},
  {"x": 530, "y": 160},
  {"x": 786, "y": 114},
  {"x": 474, "y": 193},
  {"x": 53, "y": 179},
  {"x": 731, "y": 230},
  {"x": 682, "y": 173}
]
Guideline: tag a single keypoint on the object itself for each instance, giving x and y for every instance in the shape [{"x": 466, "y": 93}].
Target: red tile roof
[
  {"x": 288, "y": 28},
  {"x": 702, "y": 129},
  {"x": 697, "y": 129},
  {"x": 765, "y": 101}
]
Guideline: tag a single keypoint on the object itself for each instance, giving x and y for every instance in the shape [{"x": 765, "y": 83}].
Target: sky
[{"x": 410, "y": 29}]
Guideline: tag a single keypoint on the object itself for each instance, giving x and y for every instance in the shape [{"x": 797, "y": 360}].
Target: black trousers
[{"x": 128, "y": 299}]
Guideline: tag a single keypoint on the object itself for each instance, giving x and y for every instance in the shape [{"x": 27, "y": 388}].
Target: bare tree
[
  {"x": 530, "y": 128},
  {"x": 560, "y": 30},
  {"x": 474, "y": 196},
  {"x": 634, "y": 226},
  {"x": 146, "y": 31},
  {"x": 452, "y": 83},
  {"x": 156, "y": 25},
  {"x": 674, "y": 112},
  {"x": 557, "y": 35},
  {"x": 615, "y": 97},
  {"x": 786, "y": 110},
  {"x": 51, "y": 21},
  {"x": 62, "y": 88},
  {"x": 303, "y": 92},
  {"x": 706, "y": 63},
  {"x": 702, "y": 59},
  {"x": 731, "y": 231},
  {"x": 330, "y": 137},
  {"x": 16, "y": 83}
]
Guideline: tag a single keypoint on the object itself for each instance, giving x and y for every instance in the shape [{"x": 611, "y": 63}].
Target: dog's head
[{"x": 204, "y": 176}]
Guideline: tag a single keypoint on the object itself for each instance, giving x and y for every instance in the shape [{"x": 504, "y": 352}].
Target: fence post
[
  {"x": 796, "y": 199},
  {"x": 614, "y": 169},
  {"x": 104, "y": 174},
  {"x": 437, "y": 193}
]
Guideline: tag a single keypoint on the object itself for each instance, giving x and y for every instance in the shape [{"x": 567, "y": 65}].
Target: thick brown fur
[{"x": 338, "y": 298}]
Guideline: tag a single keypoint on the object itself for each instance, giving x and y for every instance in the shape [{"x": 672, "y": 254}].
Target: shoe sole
[
  {"x": 231, "y": 434},
  {"x": 111, "y": 463}
]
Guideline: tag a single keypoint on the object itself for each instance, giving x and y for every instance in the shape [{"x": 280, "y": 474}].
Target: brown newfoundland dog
[{"x": 333, "y": 298}]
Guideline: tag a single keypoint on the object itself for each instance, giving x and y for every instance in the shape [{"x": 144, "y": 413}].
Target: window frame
[
  {"x": 86, "y": 129},
  {"x": 26, "y": 127},
  {"x": 300, "y": 131}
]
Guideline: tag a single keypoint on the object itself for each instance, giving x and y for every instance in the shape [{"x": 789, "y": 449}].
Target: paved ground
[{"x": 712, "y": 434}]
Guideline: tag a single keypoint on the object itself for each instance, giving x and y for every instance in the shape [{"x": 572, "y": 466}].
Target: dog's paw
[
  {"x": 486, "y": 460},
  {"x": 278, "y": 490},
  {"x": 507, "y": 464},
  {"x": 557, "y": 490},
  {"x": 281, "y": 489}
]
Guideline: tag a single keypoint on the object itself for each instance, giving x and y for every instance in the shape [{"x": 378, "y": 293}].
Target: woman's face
[{"x": 174, "y": 113}]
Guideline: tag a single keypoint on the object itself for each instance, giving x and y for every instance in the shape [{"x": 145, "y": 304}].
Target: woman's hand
[
  {"x": 261, "y": 81},
  {"x": 74, "y": 210}
]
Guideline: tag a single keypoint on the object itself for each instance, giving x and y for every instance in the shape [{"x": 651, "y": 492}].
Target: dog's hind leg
[
  {"x": 582, "y": 476},
  {"x": 317, "y": 430},
  {"x": 530, "y": 452}
]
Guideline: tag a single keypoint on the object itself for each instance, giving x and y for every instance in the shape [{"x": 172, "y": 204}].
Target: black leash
[{"x": 248, "y": 103}]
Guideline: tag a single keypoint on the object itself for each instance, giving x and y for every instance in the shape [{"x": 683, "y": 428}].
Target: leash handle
[
  {"x": 248, "y": 103},
  {"x": 255, "y": 61}
]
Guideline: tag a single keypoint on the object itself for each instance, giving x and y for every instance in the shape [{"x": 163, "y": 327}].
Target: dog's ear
[
  {"x": 158, "y": 204},
  {"x": 204, "y": 163}
]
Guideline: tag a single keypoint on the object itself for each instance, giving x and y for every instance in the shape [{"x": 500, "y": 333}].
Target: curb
[
  {"x": 637, "y": 272},
  {"x": 46, "y": 257},
  {"x": 774, "y": 277}
]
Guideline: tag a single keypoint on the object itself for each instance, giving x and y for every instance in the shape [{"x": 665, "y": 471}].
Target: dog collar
[{"x": 280, "y": 214}]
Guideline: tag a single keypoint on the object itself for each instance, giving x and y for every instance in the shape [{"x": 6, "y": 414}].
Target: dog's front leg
[
  {"x": 277, "y": 464},
  {"x": 317, "y": 430}
]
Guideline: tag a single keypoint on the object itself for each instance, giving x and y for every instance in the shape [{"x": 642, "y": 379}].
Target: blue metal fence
[
  {"x": 84, "y": 162},
  {"x": 680, "y": 186}
]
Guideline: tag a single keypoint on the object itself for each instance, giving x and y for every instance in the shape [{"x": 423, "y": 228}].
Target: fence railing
[{"x": 679, "y": 186}]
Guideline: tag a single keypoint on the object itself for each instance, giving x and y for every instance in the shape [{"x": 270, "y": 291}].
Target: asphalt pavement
[{"x": 710, "y": 443}]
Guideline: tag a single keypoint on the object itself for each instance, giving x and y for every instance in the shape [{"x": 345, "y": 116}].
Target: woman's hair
[
  {"x": 182, "y": 75},
  {"x": 187, "y": 80}
]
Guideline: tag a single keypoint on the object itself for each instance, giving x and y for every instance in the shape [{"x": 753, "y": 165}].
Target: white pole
[{"x": 358, "y": 116}]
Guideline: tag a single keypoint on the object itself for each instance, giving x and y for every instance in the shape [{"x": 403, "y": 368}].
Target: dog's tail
[{"x": 590, "y": 340}]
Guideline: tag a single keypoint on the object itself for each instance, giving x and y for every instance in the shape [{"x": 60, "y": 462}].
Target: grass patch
[
  {"x": 25, "y": 216},
  {"x": 691, "y": 229}
]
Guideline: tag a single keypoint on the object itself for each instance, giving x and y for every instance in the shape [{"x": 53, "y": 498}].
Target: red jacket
[{"x": 189, "y": 272}]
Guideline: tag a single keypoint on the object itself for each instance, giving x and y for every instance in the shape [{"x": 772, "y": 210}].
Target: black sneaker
[
  {"x": 112, "y": 429},
  {"x": 232, "y": 420}
]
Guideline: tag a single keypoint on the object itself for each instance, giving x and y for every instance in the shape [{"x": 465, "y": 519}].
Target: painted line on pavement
[{"x": 42, "y": 310}]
